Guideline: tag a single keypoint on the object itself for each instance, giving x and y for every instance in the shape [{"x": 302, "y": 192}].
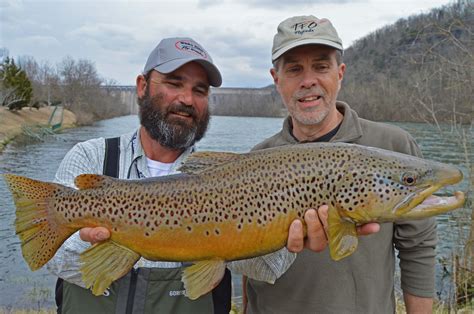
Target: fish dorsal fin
[
  {"x": 92, "y": 181},
  {"x": 342, "y": 236},
  {"x": 202, "y": 277},
  {"x": 104, "y": 263},
  {"x": 201, "y": 161}
]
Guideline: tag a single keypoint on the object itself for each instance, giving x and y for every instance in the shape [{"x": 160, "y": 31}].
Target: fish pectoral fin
[
  {"x": 92, "y": 181},
  {"x": 105, "y": 262},
  {"x": 202, "y": 277},
  {"x": 342, "y": 236},
  {"x": 201, "y": 161}
]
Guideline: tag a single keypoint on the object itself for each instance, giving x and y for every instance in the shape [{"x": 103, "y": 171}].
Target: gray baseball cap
[
  {"x": 171, "y": 53},
  {"x": 303, "y": 30}
]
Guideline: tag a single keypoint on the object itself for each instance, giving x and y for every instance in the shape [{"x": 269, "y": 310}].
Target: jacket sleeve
[
  {"x": 82, "y": 158},
  {"x": 267, "y": 268},
  {"x": 416, "y": 242}
]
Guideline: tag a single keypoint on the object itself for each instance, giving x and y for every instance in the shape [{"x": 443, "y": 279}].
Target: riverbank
[{"x": 11, "y": 122}]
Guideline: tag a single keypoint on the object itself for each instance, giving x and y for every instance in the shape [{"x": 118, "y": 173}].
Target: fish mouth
[
  {"x": 439, "y": 203},
  {"x": 428, "y": 200},
  {"x": 423, "y": 203}
]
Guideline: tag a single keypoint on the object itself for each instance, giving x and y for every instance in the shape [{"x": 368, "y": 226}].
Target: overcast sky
[{"x": 117, "y": 35}]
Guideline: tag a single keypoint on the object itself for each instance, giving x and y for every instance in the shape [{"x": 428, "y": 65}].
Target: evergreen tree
[{"x": 15, "y": 87}]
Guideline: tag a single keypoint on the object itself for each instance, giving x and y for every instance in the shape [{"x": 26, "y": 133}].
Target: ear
[
  {"x": 274, "y": 74},
  {"x": 340, "y": 74},
  {"x": 141, "y": 85}
]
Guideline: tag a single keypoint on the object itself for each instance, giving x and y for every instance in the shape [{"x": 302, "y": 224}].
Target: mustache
[
  {"x": 306, "y": 92},
  {"x": 174, "y": 108}
]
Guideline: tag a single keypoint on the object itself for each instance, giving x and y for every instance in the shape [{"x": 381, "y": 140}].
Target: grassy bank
[{"x": 13, "y": 122}]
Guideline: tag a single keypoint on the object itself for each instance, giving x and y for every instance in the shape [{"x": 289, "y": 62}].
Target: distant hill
[{"x": 418, "y": 69}]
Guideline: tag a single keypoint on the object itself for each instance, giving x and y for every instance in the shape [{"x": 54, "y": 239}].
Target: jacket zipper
[{"x": 131, "y": 291}]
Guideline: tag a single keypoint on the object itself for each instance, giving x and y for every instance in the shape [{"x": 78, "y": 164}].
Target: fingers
[
  {"x": 315, "y": 222},
  {"x": 94, "y": 235},
  {"x": 316, "y": 234},
  {"x": 368, "y": 228},
  {"x": 295, "y": 241}
]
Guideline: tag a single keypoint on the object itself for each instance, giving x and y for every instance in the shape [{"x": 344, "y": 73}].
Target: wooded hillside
[{"x": 418, "y": 69}]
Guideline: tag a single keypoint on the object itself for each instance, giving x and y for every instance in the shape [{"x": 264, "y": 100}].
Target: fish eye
[{"x": 409, "y": 178}]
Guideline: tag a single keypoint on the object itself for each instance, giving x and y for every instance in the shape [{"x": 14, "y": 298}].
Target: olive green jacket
[{"x": 363, "y": 282}]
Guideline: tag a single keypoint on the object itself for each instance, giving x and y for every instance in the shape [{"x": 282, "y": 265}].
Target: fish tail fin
[{"x": 36, "y": 225}]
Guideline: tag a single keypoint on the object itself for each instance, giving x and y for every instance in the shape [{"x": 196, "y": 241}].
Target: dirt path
[{"x": 11, "y": 122}]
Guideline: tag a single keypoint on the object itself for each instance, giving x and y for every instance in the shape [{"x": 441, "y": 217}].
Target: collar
[
  {"x": 350, "y": 130},
  {"x": 138, "y": 157}
]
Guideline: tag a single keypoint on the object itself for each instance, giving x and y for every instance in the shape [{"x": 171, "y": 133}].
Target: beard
[
  {"x": 172, "y": 133},
  {"x": 313, "y": 115}
]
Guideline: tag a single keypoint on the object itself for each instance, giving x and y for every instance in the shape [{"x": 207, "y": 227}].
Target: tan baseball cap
[
  {"x": 303, "y": 30},
  {"x": 172, "y": 53}
]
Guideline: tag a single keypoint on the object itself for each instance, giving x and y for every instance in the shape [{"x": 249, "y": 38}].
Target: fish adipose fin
[
  {"x": 202, "y": 161},
  {"x": 105, "y": 262},
  {"x": 342, "y": 236},
  {"x": 40, "y": 231},
  {"x": 202, "y": 277},
  {"x": 93, "y": 181}
]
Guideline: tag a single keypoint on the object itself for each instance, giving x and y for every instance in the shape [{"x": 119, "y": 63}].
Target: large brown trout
[{"x": 226, "y": 207}]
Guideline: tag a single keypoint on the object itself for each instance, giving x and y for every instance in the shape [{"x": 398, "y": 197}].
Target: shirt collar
[{"x": 139, "y": 157}]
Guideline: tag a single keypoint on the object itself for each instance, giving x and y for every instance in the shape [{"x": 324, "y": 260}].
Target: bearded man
[{"x": 173, "y": 99}]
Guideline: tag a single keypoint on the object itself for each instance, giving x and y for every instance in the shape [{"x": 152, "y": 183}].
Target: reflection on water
[{"x": 22, "y": 288}]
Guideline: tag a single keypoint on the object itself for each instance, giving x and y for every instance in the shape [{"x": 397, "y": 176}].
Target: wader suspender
[
  {"x": 111, "y": 159},
  {"x": 111, "y": 169}
]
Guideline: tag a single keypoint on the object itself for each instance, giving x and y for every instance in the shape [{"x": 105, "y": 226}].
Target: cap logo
[
  {"x": 304, "y": 27},
  {"x": 191, "y": 48}
]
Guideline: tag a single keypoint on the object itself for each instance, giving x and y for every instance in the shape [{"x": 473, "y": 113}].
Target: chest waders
[{"x": 142, "y": 290}]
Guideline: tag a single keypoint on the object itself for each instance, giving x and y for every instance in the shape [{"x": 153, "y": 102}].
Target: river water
[{"x": 21, "y": 288}]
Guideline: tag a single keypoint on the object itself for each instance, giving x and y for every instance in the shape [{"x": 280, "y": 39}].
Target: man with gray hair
[{"x": 308, "y": 72}]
